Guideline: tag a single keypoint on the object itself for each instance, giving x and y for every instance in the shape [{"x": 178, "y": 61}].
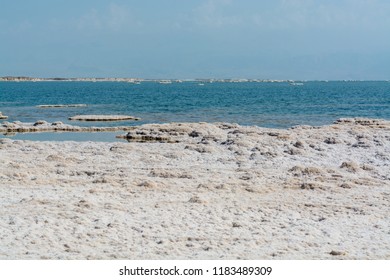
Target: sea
[{"x": 265, "y": 104}]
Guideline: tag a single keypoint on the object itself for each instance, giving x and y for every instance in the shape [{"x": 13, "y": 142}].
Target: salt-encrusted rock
[
  {"x": 7, "y": 126},
  {"x": 331, "y": 140},
  {"x": 44, "y": 126},
  {"x": 141, "y": 135},
  {"x": 144, "y": 138},
  {"x": 195, "y": 199},
  {"x": 38, "y": 123},
  {"x": 350, "y": 166},
  {"x": 102, "y": 118},
  {"x": 362, "y": 121},
  {"x": 177, "y": 132},
  {"x": 2, "y": 117},
  {"x": 194, "y": 134},
  {"x": 61, "y": 105},
  {"x": 345, "y": 186},
  {"x": 337, "y": 253}
]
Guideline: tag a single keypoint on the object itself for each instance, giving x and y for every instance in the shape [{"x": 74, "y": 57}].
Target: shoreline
[
  {"x": 171, "y": 80},
  {"x": 213, "y": 191},
  {"x": 44, "y": 126}
]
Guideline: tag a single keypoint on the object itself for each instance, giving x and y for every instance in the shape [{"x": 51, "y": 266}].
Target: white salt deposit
[{"x": 205, "y": 191}]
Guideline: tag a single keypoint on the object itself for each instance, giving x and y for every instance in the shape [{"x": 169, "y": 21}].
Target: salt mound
[
  {"x": 44, "y": 126},
  {"x": 102, "y": 118},
  {"x": 61, "y": 105},
  {"x": 2, "y": 117}
]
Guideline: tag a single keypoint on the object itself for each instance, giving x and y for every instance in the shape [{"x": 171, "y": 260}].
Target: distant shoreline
[
  {"x": 167, "y": 81},
  {"x": 132, "y": 80}
]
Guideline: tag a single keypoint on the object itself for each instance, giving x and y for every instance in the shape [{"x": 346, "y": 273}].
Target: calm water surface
[{"x": 276, "y": 105}]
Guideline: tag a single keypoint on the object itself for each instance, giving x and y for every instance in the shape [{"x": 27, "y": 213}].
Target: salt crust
[
  {"x": 102, "y": 118},
  {"x": 211, "y": 191}
]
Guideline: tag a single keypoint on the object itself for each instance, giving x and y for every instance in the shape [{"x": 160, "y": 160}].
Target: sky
[{"x": 184, "y": 39}]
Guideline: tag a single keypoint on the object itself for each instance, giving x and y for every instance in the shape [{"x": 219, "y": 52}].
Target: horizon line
[{"x": 136, "y": 79}]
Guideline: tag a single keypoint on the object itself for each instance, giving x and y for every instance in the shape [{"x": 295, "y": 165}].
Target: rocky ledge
[
  {"x": 206, "y": 133},
  {"x": 44, "y": 126}
]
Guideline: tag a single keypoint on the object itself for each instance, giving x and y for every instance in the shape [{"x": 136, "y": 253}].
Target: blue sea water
[{"x": 276, "y": 105}]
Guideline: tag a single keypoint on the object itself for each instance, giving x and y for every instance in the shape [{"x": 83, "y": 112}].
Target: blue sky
[{"x": 268, "y": 39}]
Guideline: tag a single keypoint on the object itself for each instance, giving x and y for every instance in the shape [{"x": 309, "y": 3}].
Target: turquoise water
[{"x": 276, "y": 105}]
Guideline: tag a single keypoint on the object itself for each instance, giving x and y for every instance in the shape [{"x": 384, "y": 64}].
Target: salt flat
[{"x": 208, "y": 191}]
